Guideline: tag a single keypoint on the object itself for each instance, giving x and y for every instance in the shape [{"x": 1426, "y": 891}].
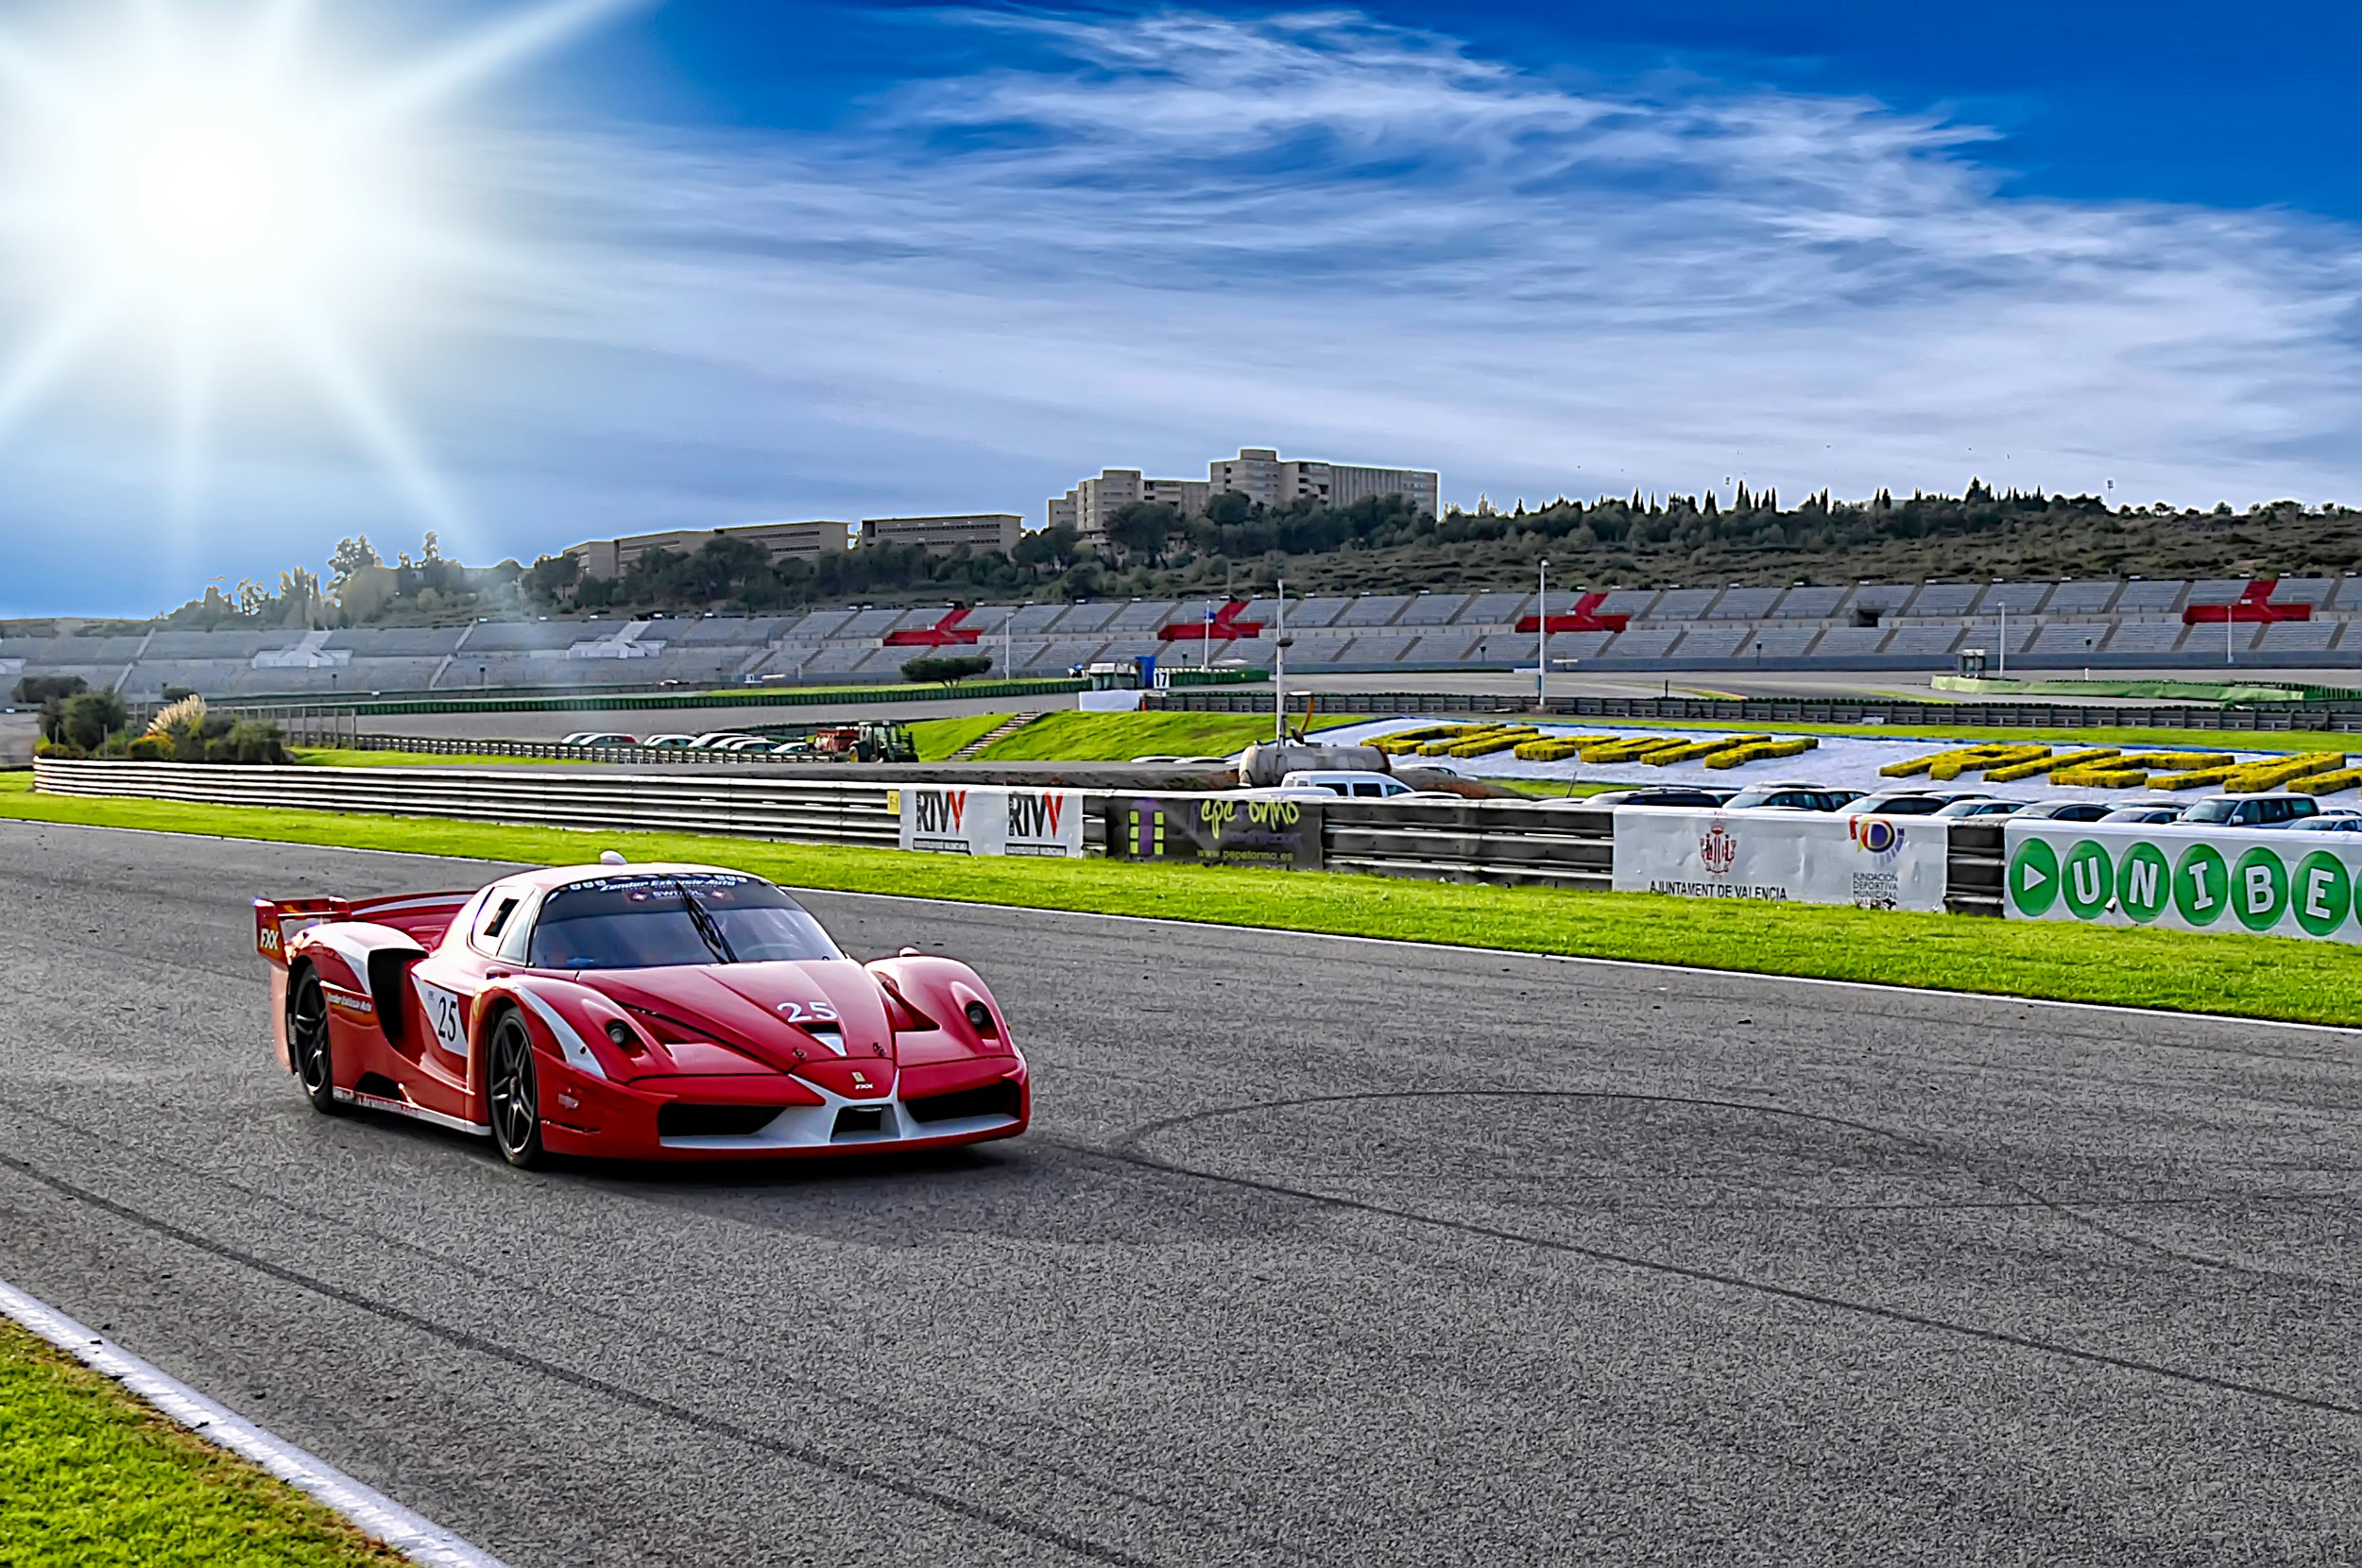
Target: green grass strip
[
  {"x": 1077, "y": 737},
  {"x": 90, "y": 1477},
  {"x": 2242, "y": 976}
]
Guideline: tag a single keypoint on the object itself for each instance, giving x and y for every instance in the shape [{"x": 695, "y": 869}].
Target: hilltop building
[
  {"x": 1260, "y": 473},
  {"x": 783, "y": 541},
  {"x": 941, "y": 535}
]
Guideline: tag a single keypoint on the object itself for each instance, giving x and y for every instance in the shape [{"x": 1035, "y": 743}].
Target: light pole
[
  {"x": 1280, "y": 668},
  {"x": 1542, "y": 643}
]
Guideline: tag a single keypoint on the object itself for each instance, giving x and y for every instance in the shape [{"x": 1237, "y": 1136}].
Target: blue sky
[{"x": 731, "y": 259}]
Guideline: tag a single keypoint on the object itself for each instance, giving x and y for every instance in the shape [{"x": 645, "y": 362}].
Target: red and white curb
[{"x": 371, "y": 1512}]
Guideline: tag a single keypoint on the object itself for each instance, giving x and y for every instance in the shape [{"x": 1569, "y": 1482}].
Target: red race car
[{"x": 653, "y": 1012}]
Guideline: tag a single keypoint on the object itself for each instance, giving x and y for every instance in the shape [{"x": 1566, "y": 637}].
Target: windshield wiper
[{"x": 709, "y": 929}]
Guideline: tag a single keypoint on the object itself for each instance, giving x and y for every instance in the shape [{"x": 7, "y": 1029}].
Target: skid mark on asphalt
[
  {"x": 831, "y": 1464},
  {"x": 1130, "y": 1150}
]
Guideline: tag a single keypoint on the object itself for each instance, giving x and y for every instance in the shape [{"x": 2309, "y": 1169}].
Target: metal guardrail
[
  {"x": 1503, "y": 842},
  {"x": 546, "y": 700},
  {"x": 794, "y": 810},
  {"x": 2333, "y": 716},
  {"x": 1506, "y": 843},
  {"x": 549, "y": 750}
]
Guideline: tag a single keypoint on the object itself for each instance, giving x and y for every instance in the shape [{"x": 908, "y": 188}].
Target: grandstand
[{"x": 2133, "y": 624}]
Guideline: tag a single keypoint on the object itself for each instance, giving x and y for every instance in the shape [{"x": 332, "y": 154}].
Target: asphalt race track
[{"x": 1320, "y": 1252}]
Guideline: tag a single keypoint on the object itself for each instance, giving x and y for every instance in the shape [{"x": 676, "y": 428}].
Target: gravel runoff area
[{"x": 1320, "y": 1252}]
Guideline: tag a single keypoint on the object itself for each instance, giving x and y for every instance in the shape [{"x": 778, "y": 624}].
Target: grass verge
[
  {"x": 90, "y": 1477},
  {"x": 2244, "y": 976},
  {"x": 1077, "y": 737},
  {"x": 937, "y": 739}
]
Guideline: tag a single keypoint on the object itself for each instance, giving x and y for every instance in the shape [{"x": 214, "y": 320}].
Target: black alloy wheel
[
  {"x": 513, "y": 1098},
  {"x": 307, "y": 1041}
]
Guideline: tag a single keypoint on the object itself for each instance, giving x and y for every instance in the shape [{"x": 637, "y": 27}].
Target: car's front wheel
[
  {"x": 514, "y": 1096},
  {"x": 307, "y": 1041}
]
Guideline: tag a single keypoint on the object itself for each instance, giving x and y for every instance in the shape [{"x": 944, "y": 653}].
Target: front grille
[
  {"x": 991, "y": 1100},
  {"x": 859, "y": 1120},
  {"x": 678, "y": 1120}
]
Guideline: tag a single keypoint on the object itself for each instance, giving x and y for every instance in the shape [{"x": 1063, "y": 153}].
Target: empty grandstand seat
[
  {"x": 1305, "y": 614},
  {"x": 2016, "y": 598},
  {"x": 2349, "y": 594},
  {"x": 1778, "y": 641},
  {"x": 1031, "y": 620},
  {"x": 2071, "y": 637},
  {"x": 1937, "y": 599},
  {"x": 1497, "y": 608},
  {"x": 818, "y": 624},
  {"x": 1744, "y": 603},
  {"x": 2304, "y": 590},
  {"x": 1579, "y": 645},
  {"x": 2085, "y": 596},
  {"x": 1451, "y": 647},
  {"x": 1880, "y": 599},
  {"x": 1151, "y": 615},
  {"x": 1712, "y": 641},
  {"x": 1809, "y": 604},
  {"x": 870, "y": 625},
  {"x": 1683, "y": 604},
  {"x": 1931, "y": 642},
  {"x": 1642, "y": 642},
  {"x": 1083, "y": 619},
  {"x": 1434, "y": 609},
  {"x": 1849, "y": 643},
  {"x": 2162, "y": 596},
  {"x": 2296, "y": 637},
  {"x": 1373, "y": 609},
  {"x": 1629, "y": 603},
  {"x": 2150, "y": 636},
  {"x": 2217, "y": 590}
]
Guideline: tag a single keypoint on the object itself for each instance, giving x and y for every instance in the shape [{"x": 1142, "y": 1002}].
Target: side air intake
[
  {"x": 678, "y": 1120},
  {"x": 991, "y": 1100}
]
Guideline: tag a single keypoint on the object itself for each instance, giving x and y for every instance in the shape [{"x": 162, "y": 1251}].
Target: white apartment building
[
  {"x": 941, "y": 535},
  {"x": 782, "y": 541},
  {"x": 1092, "y": 504},
  {"x": 1260, "y": 473}
]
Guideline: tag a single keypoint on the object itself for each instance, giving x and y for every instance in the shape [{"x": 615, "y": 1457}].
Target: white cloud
[
  {"x": 1172, "y": 235},
  {"x": 1361, "y": 242}
]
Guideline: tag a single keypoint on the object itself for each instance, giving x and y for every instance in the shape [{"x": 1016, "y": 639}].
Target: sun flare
[{"x": 215, "y": 196}]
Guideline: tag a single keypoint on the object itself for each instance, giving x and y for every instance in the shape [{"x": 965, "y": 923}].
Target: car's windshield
[
  {"x": 647, "y": 921},
  {"x": 2211, "y": 811}
]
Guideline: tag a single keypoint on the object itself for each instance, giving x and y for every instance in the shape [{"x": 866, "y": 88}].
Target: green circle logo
[
  {"x": 2259, "y": 889},
  {"x": 2143, "y": 882},
  {"x": 2090, "y": 879},
  {"x": 2322, "y": 893},
  {"x": 2201, "y": 885},
  {"x": 2034, "y": 879}
]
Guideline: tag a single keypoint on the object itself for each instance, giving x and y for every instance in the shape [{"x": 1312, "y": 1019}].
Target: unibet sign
[{"x": 2268, "y": 882}]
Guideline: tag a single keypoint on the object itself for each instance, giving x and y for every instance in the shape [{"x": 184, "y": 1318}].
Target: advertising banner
[
  {"x": 964, "y": 820},
  {"x": 1798, "y": 857},
  {"x": 1217, "y": 827},
  {"x": 2267, "y": 882}
]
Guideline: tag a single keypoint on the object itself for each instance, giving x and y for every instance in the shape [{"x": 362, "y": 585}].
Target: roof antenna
[{"x": 610, "y": 856}]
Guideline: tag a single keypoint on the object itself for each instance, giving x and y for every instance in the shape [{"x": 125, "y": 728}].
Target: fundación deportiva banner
[
  {"x": 2269, "y": 881},
  {"x": 1799, "y": 856},
  {"x": 961, "y": 820}
]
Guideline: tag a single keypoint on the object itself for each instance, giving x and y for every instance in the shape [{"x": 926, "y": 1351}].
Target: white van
[{"x": 1350, "y": 782}]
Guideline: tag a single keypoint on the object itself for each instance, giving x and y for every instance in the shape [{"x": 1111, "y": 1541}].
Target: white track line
[
  {"x": 373, "y": 1513},
  {"x": 1921, "y": 991}
]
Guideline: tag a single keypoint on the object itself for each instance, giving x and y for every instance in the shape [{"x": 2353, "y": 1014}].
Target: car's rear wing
[{"x": 424, "y": 916}]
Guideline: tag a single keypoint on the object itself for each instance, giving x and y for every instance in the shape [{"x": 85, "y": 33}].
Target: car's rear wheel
[
  {"x": 514, "y": 1097},
  {"x": 307, "y": 1041}
]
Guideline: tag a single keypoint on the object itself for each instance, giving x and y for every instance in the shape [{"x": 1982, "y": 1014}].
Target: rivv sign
[
  {"x": 2272, "y": 884},
  {"x": 1798, "y": 857},
  {"x": 961, "y": 820},
  {"x": 1233, "y": 828}
]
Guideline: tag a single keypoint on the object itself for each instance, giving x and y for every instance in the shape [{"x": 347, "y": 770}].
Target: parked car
[
  {"x": 598, "y": 738},
  {"x": 1976, "y": 808},
  {"x": 2144, "y": 813},
  {"x": 2342, "y": 822},
  {"x": 2069, "y": 811},
  {"x": 1359, "y": 783},
  {"x": 1909, "y": 803},
  {"x": 670, "y": 742},
  {"x": 1659, "y": 794},
  {"x": 1788, "y": 797},
  {"x": 2266, "y": 811},
  {"x": 717, "y": 739}
]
